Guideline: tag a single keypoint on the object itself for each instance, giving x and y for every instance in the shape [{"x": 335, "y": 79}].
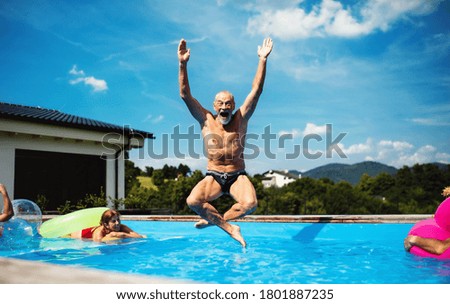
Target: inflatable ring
[
  {"x": 71, "y": 222},
  {"x": 436, "y": 228},
  {"x": 442, "y": 215}
]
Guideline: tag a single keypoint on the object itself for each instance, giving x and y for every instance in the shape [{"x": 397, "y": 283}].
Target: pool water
[{"x": 301, "y": 253}]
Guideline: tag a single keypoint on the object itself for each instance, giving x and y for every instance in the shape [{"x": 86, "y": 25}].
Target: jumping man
[{"x": 224, "y": 138}]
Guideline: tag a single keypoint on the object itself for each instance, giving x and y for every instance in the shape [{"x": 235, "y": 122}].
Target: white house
[
  {"x": 274, "y": 178},
  {"x": 61, "y": 156}
]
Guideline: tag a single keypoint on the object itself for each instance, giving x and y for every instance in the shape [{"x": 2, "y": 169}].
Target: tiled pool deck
[{"x": 26, "y": 272}]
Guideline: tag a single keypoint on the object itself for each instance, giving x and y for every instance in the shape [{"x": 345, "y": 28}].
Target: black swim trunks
[{"x": 226, "y": 179}]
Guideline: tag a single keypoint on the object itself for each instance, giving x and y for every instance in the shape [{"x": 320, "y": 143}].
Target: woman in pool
[
  {"x": 431, "y": 245},
  {"x": 110, "y": 228}
]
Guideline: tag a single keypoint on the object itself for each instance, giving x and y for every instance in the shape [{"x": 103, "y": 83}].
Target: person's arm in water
[
  {"x": 7, "y": 206},
  {"x": 431, "y": 245},
  {"x": 124, "y": 233},
  {"x": 249, "y": 105},
  {"x": 193, "y": 105}
]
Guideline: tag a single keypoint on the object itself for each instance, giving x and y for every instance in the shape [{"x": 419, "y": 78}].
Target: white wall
[
  {"x": 280, "y": 180},
  {"x": 31, "y": 136}
]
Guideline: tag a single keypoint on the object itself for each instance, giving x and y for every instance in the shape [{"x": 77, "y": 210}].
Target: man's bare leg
[
  {"x": 206, "y": 190},
  {"x": 211, "y": 216},
  {"x": 245, "y": 195},
  {"x": 235, "y": 212}
]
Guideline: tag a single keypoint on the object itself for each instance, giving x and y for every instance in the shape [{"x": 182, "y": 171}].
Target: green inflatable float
[{"x": 71, "y": 222}]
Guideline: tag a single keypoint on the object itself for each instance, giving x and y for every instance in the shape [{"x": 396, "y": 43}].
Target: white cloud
[
  {"x": 294, "y": 132},
  {"x": 97, "y": 85},
  {"x": 314, "y": 129},
  {"x": 443, "y": 157},
  {"x": 366, "y": 147},
  {"x": 395, "y": 145},
  {"x": 310, "y": 128},
  {"x": 396, "y": 153},
  {"x": 75, "y": 71},
  {"x": 430, "y": 121},
  {"x": 154, "y": 120},
  {"x": 331, "y": 18},
  {"x": 425, "y": 154},
  {"x": 435, "y": 114}
]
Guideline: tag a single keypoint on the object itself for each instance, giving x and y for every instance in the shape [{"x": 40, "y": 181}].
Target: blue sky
[{"x": 377, "y": 72}]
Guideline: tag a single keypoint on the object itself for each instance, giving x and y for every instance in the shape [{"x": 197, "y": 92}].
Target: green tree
[
  {"x": 149, "y": 171},
  {"x": 412, "y": 190},
  {"x": 138, "y": 198},
  {"x": 183, "y": 170},
  {"x": 131, "y": 174},
  {"x": 158, "y": 178}
]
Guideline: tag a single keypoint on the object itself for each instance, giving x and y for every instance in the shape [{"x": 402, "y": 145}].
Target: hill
[
  {"x": 441, "y": 166},
  {"x": 349, "y": 173}
]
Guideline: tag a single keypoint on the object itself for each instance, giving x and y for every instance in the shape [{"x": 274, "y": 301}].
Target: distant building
[
  {"x": 275, "y": 178},
  {"x": 61, "y": 156}
]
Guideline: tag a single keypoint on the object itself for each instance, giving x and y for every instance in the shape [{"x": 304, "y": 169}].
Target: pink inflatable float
[{"x": 437, "y": 228}]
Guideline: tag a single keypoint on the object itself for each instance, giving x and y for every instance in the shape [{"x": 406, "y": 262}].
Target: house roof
[{"x": 55, "y": 117}]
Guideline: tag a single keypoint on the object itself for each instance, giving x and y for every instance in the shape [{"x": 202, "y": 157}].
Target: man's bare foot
[
  {"x": 202, "y": 224},
  {"x": 236, "y": 234}
]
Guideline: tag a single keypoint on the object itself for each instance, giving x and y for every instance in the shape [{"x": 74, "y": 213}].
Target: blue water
[{"x": 277, "y": 253}]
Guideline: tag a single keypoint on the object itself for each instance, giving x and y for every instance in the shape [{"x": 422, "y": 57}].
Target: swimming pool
[{"x": 302, "y": 253}]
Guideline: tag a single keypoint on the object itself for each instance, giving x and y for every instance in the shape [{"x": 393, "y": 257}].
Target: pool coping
[
  {"x": 381, "y": 218},
  {"x": 15, "y": 271},
  {"x": 365, "y": 218}
]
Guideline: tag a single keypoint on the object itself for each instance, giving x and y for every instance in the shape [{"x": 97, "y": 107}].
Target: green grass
[{"x": 147, "y": 182}]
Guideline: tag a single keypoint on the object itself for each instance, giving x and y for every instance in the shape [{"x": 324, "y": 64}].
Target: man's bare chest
[{"x": 217, "y": 135}]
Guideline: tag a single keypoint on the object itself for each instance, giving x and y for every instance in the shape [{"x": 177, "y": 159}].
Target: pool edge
[
  {"x": 382, "y": 218},
  {"x": 16, "y": 271}
]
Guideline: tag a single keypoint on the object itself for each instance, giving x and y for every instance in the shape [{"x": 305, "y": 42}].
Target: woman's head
[{"x": 110, "y": 220}]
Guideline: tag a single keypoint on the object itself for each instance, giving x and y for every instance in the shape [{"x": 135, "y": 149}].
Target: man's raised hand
[
  {"x": 183, "y": 53},
  {"x": 266, "y": 48}
]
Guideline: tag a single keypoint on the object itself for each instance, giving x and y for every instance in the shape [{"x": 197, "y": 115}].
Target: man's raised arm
[
  {"x": 251, "y": 101},
  {"x": 193, "y": 105}
]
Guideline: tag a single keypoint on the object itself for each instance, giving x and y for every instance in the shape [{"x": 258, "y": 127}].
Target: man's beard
[{"x": 224, "y": 117}]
